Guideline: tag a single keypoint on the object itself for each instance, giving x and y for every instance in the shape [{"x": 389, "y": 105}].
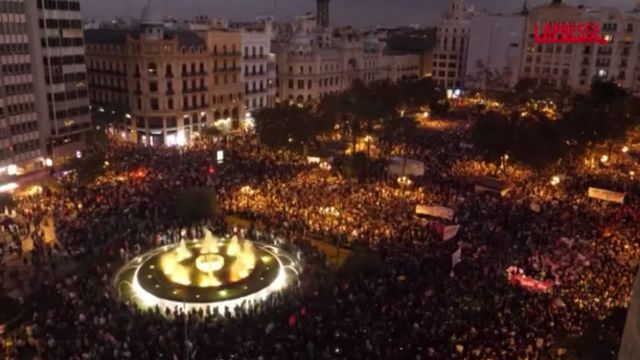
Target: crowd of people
[{"x": 419, "y": 303}]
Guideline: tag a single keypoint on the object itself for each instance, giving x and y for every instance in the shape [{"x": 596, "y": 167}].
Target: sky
[{"x": 353, "y": 12}]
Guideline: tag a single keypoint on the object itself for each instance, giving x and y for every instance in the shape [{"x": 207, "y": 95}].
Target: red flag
[{"x": 292, "y": 320}]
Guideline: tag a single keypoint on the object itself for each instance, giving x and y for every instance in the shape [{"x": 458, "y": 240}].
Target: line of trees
[
  {"x": 358, "y": 111},
  {"x": 605, "y": 113}
]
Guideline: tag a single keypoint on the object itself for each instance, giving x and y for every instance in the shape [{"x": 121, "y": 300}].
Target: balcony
[
  {"x": 256, "y": 91},
  {"x": 195, "y": 90},
  {"x": 254, "y": 57},
  {"x": 226, "y": 70},
  {"x": 249, "y": 75},
  {"x": 198, "y": 107},
  {"x": 191, "y": 74},
  {"x": 228, "y": 54}
]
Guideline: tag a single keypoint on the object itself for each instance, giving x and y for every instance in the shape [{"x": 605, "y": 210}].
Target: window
[
  {"x": 300, "y": 84},
  {"x": 290, "y": 83},
  {"x": 153, "y": 102},
  {"x": 153, "y": 86},
  {"x": 169, "y": 71},
  {"x": 170, "y": 104},
  {"x": 153, "y": 69}
]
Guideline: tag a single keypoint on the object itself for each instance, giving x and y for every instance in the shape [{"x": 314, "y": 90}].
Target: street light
[
  {"x": 504, "y": 160},
  {"x": 625, "y": 149},
  {"x": 404, "y": 181},
  {"x": 604, "y": 159},
  {"x": 325, "y": 166},
  {"x": 555, "y": 180}
]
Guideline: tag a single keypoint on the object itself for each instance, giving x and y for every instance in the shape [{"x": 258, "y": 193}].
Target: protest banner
[{"x": 435, "y": 211}]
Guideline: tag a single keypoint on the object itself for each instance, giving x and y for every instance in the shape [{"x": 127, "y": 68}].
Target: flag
[
  {"x": 449, "y": 232},
  {"x": 456, "y": 258}
]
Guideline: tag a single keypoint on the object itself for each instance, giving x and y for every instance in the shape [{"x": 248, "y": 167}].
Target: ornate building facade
[
  {"x": 313, "y": 61},
  {"x": 172, "y": 83}
]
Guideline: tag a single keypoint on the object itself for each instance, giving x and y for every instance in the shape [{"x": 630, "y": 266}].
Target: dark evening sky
[{"x": 357, "y": 12}]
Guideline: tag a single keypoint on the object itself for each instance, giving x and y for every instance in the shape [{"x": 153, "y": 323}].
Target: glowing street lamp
[
  {"x": 404, "y": 181},
  {"x": 555, "y": 180},
  {"x": 504, "y": 160},
  {"x": 325, "y": 166},
  {"x": 625, "y": 149},
  {"x": 604, "y": 159}
]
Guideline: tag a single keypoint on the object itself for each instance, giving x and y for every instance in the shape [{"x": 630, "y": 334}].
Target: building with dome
[
  {"x": 172, "y": 81},
  {"x": 314, "y": 60}
]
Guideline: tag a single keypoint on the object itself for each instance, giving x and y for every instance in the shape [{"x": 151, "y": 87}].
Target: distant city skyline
[{"x": 355, "y": 12}]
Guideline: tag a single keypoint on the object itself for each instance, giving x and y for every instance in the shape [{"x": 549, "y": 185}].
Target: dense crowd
[{"x": 417, "y": 304}]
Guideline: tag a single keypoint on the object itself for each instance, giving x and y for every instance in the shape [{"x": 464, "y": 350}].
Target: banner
[
  {"x": 449, "y": 232},
  {"x": 435, "y": 211},
  {"x": 516, "y": 276},
  {"x": 456, "y": 258},
  {"x": 405, "y": 167},
  {"x": 492, "y": 185},
  {"x": 606, "y": 195},
  {"x": 535, "y": 207}
]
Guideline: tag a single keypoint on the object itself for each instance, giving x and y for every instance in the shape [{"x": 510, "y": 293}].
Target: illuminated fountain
[{"x": 210, "y": 272}]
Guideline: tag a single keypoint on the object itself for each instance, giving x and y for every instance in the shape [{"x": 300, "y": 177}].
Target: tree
[
  {"x": 398, "y": 129},
  {"x": 536, "y": 142},
  {"x": 356, "y": 166},
  {"x": 90, "y": 166},
  {"x": 195, "y": 204},
  {"x": 607, "y": 112},
  {"x": 291, "y": 127},
  {"x": 493, "y": 133},
  {"x": 211, "y": 133}
]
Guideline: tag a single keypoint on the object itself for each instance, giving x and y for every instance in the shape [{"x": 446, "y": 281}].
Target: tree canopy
[
  {"x": 607, "y": 112},
  {"x": 195, "y": 204},
  {"x": 291, "y": 127}
]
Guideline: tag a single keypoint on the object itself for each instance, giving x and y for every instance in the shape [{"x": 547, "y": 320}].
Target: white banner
[
  {"x": 450, "y": 232},
  {"x": 405, "y": 167},
  {"x": 456, "y": 258},
  {"x": 606, "y": 195},
  {"x": 436, "y": 211},
  {"x": 535, "y": 207}
]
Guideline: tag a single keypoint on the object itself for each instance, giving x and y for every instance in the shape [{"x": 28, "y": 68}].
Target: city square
[{"x": 306, "y": 190}]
